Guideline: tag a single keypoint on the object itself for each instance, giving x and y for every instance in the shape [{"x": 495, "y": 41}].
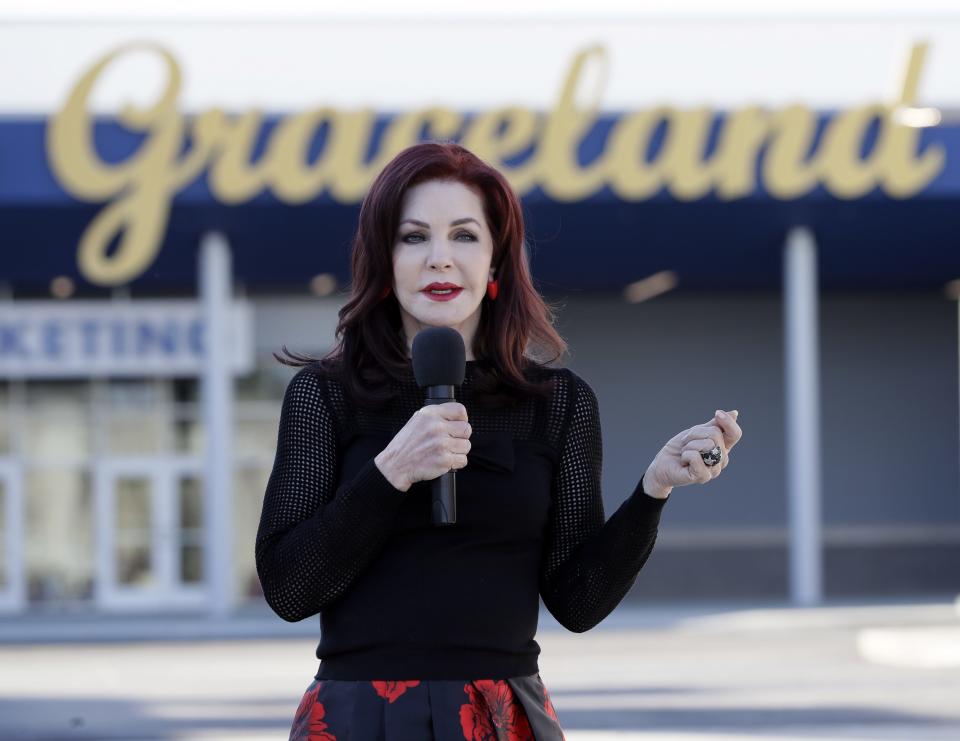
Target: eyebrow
[{"x": 455, "y": 222}]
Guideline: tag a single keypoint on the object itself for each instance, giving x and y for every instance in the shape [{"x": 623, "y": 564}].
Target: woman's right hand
[{"x": 433, "y": 441}]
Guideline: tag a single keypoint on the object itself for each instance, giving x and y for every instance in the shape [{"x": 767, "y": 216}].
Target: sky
[{"x": 184, "y": 9}]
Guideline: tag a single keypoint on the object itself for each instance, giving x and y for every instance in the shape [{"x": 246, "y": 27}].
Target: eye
[{"x": 408, "y": 237}]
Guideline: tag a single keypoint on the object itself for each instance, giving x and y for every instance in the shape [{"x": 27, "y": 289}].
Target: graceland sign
[{"x": 779, "y": 151}]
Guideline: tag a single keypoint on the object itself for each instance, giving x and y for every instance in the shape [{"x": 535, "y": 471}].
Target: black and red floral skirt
[{"x": 514, "y": 709}]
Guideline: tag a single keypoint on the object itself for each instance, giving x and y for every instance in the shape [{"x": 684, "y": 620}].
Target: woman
[{"x": 428, "y": 632}]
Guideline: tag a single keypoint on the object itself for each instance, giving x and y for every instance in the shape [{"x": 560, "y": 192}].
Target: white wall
[{"x": 288, "y": 63}]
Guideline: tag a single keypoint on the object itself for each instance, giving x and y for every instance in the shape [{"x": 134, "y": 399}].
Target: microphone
[{"x": 439, "y": 363}]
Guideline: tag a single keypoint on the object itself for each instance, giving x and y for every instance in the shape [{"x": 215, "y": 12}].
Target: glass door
[
  {"x": 149, "y": 534},
  {"x": 11, "y": 544}
]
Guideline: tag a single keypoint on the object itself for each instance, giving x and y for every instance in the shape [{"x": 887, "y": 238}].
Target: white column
[
  {"x": 217, "y": 396},
  {"x": 802, "y": 416}
]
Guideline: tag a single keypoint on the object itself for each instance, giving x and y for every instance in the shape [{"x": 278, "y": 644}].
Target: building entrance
[
  {"x": 149, "y": 533},
  {"x": 11, "y": 529}
]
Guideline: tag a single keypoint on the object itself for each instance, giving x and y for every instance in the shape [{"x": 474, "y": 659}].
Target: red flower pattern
[
  {"x": 308, "y": 722},
  {"x": 392, "y": 690},
  {"x": 488, "y": 697}
]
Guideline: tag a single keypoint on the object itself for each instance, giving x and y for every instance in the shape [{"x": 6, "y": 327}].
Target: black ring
[{"x": 712, "y": 457}]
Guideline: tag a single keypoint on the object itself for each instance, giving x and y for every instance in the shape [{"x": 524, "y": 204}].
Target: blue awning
[{"x": 602, "y": 242}]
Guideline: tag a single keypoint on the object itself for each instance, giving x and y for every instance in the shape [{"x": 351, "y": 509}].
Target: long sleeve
[
  {"x": 315, "y": 537},
  {"x": 589, "y": 565}
]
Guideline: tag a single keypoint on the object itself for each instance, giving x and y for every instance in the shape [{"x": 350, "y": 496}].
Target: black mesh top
[{"x": 400, "y": 598}]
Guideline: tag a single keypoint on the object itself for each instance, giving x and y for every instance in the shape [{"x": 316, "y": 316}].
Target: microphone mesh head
[{"x": 439, "y": 357}]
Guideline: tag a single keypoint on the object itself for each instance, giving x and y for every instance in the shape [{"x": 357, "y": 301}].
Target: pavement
[{"x": 669, "y": 672}]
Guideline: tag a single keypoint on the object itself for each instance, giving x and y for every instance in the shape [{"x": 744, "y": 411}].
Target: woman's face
[{"x": 443, "y": 237}]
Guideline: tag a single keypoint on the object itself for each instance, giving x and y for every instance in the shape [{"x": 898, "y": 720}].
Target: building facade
[{"x": 662, "y": 233}]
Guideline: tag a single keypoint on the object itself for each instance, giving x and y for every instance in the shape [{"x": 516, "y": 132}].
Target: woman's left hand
[{"x": 679, "y": 462}]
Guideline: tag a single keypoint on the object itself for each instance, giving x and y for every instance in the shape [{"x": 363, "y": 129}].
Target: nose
[{"x": 440, "y": 255}]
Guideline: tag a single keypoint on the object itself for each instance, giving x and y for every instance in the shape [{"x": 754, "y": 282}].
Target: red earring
[
  {"x": 492, "y": 289},
  {"x": 385, "y": 292}
]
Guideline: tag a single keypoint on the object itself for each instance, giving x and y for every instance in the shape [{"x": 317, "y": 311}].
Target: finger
[
  {"x": 731, "y": 430},
  {"x": 695, "y": 431},
  {"x": 701, "y": 445},
  {"x": 459, "y": 428},
  {"x": 452, "y": 410},
  {"x": 710, "y": 432},
  {"x": 457, "y": 461},
  {"x": 705, "y": 446},
  {"x": 696, "y": 469},
  {"x": 459, "y": 445},
  {"x": 724, "y": 427}
]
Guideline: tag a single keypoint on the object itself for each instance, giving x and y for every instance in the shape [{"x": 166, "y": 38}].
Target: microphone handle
[{"x": 443, "y": 488}]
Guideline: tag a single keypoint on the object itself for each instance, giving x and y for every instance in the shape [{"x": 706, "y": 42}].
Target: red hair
[{"x": 512, "y": 330}]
